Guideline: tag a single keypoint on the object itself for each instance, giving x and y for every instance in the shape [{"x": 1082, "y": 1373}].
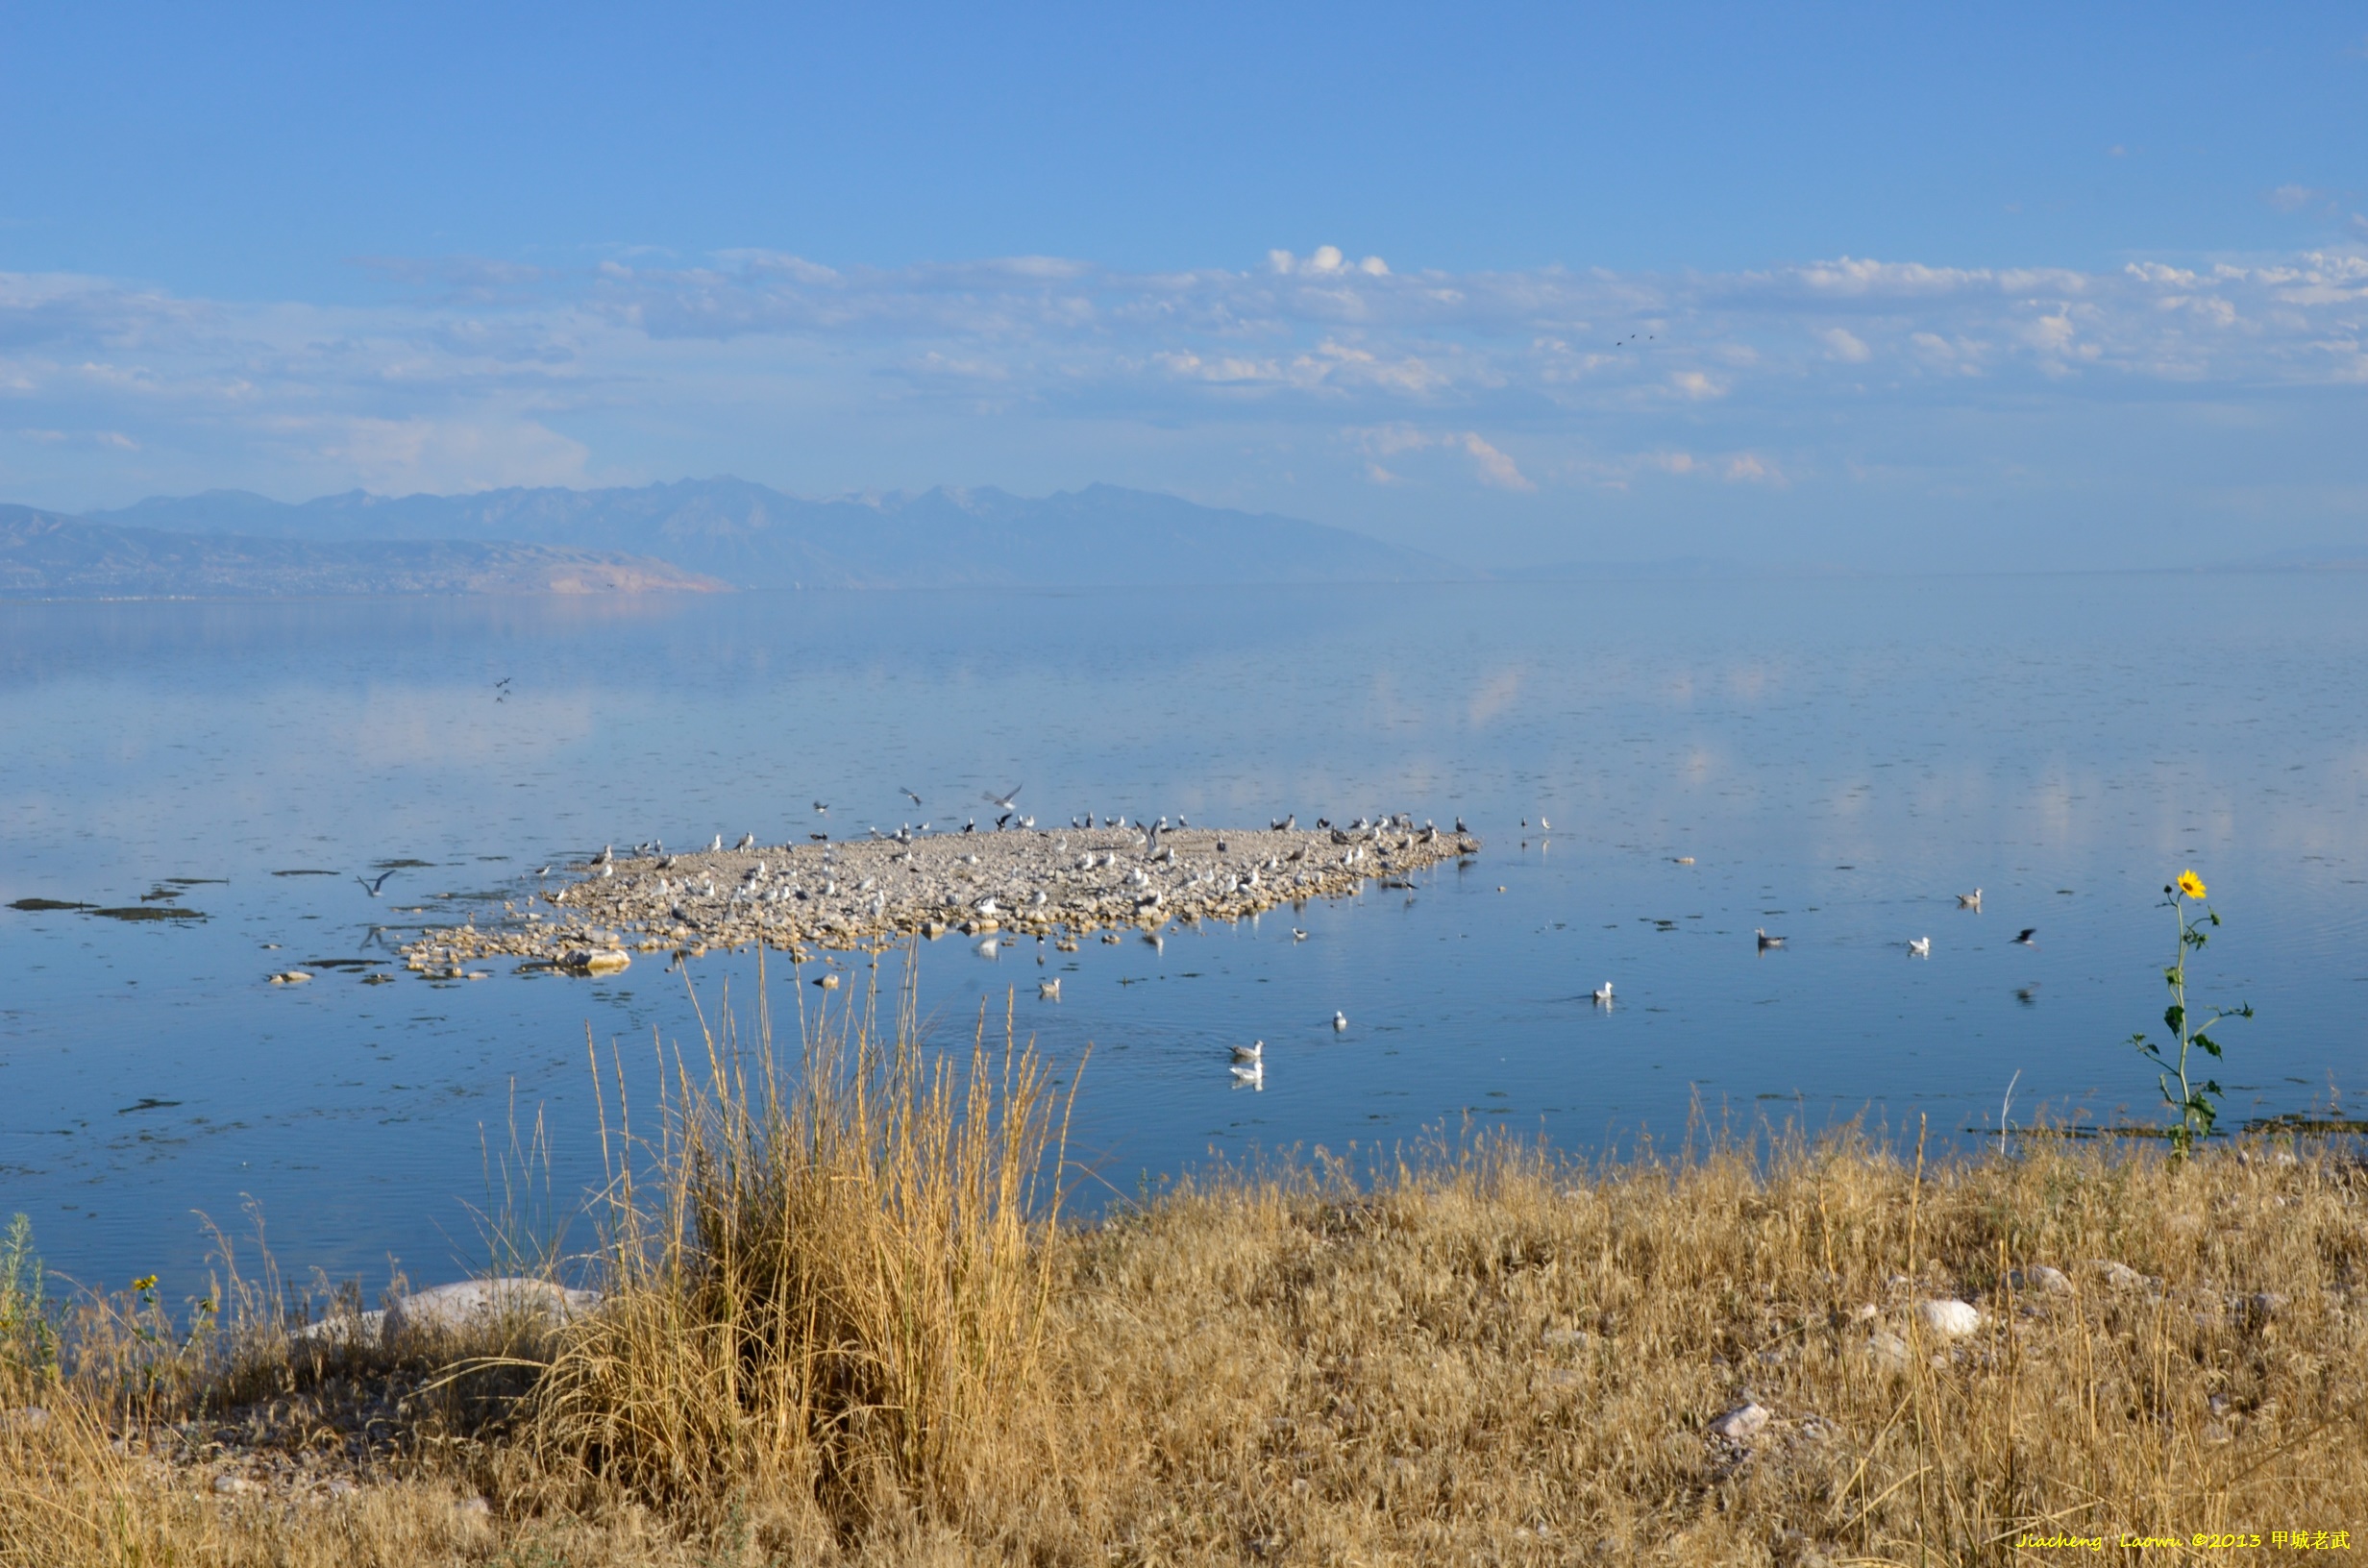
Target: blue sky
[{"x": 1851, "y": 286}]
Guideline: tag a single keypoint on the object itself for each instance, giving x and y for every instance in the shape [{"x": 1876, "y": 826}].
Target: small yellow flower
[
  {"x": 2190, "y": 885},
  {"x": 146, "y": 1282}
]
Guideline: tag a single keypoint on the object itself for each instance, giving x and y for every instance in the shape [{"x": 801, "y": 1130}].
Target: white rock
[
  {"x": 1566, "y": 1338},
  {"x": 344, "y": 1328},
  {"x": 230, "y": 1484},
  {"x": 1888, "y": 1349},
  {"x": 1740, "y": 1424},
  {"x": 2119, "y": 1276},
  {"x": 2048, "y": 1281},
  {"x": 477, "y": 1303},
  {"x": 1948, "y": 1319}
]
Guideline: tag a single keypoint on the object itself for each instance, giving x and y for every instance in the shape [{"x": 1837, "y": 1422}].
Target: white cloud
[
  {"x": 1845, "y": 346},
  {"x": 2294, "y": 198},
  {"x": 1491, "y": 465},
  {"x": 401, "y": 455},
  {"x": 489, "y": 374}
]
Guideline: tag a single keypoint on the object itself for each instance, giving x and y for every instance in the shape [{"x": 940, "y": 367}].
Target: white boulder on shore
[{"x": 455, "y": 1308}]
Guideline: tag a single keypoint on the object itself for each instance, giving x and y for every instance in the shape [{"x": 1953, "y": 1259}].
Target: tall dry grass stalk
[{"x": 829, "y": 1285}]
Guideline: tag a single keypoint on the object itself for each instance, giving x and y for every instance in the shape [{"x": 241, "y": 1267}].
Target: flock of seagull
[
  {"x": 1917, "y": 946},
  {"x": 1248, "y": 1063}
]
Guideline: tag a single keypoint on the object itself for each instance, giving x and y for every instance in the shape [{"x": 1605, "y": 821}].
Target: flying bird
[
  {"x": 375, "y": 886},
  {"x": 500, "y": 690},
  {"x": 821, "y": 806},
  {"x": 908, "y": 794},
  {"x": 1007, "y": 801},
  {"x": 2023, "y": 938}
]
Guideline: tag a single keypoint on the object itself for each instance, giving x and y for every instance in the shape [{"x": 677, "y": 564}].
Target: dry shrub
[
  {"x": 831, "y": 1291},
  {"x": 1495, "y": 1353}
]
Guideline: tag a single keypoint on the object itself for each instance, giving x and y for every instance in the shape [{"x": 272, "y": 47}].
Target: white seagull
[
  {"x": 1254, "y": 1076},
  {"x": 1254, "y": 1051},
  {"x": 1921, "y": 947},
  {"x": 1602, "y": 994},
  {"x": 1969, "y": 900},
  {"x": 1340, "y": 1020}
]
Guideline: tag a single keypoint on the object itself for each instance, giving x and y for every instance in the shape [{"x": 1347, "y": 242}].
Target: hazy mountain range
[
  {"x": 47, "y": 556},
  {"x": 698, "y": 533}
]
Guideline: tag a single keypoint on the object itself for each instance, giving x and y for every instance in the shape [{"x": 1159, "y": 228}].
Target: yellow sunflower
[{"x": 2190, "y": 885}]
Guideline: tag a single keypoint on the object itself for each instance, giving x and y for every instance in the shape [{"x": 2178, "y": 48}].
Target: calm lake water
[{"x": 1839, "y": 758}]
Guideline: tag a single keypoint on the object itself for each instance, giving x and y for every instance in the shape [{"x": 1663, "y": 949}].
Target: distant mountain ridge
[
  {"x": 49, "y": 555},
  {"x": 752, "y": 536}
]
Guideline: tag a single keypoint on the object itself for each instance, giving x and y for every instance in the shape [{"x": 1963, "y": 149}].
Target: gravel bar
[{"x": 862, "y": 893}]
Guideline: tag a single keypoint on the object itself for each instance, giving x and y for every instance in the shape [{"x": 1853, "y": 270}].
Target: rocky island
[{"x": 1060, "y": 883}]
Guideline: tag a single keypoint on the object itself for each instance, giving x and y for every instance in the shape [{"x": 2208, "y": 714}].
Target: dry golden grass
[{"x": 844, "y": 1328}]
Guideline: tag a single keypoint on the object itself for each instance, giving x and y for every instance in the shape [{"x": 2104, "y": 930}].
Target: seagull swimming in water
[
  {"x": 1602, "y": 994},
  {"x": 1339, "y": 1021},
  {"x": 1921, "y": 947},
  {"x": 1765, "y": 941},
  {"x": 1254, "y": 1076},
  {"x": 376, "y": 886},
  {"x": 1254, "y": 1051},
  {"x": 1969, "y": 900},
  {"x": 2023, "y": 938}
]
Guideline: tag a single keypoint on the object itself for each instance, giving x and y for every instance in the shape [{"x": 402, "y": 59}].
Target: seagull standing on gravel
[{"x": 748, "y": 841}]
